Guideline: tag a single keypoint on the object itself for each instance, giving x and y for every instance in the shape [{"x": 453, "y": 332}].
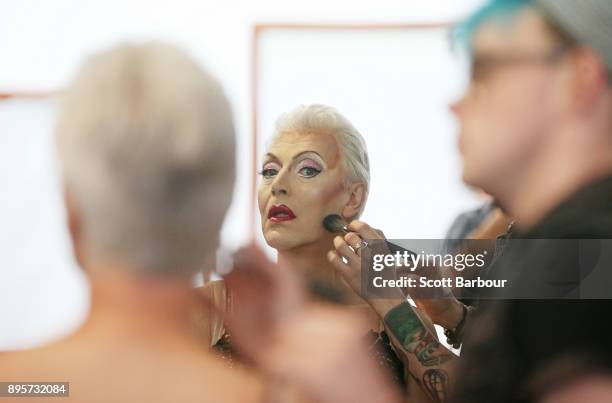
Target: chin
[
  {"x": 283, "y": 239},
  {"x": 467, "y": 179},
  {"x": 279, "y": 240},
  {"x": 480, "y": 182},
  {"x": 470, "y": 175}
]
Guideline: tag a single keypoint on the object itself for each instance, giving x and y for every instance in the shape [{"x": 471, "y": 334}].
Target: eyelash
[
  {"x": 268, "y": 173},
  {"x": 317, "y": 171},
  {"x": 265, "y": 172}
]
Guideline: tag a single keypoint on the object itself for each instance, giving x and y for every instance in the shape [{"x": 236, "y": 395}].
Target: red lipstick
[{"x": 280, "y": 213}]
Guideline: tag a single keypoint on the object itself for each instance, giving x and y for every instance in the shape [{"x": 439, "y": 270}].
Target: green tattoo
[{"x": 406, "y": 326}]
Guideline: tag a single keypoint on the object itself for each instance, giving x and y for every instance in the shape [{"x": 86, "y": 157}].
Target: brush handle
[{"x": 393, "y": 248}]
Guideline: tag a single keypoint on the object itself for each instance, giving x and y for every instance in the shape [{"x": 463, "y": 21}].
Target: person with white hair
[
  {"x": 316, "y": 164},
  {"x": 146, "y": 147},
  {"x": 143, "y": 136}
]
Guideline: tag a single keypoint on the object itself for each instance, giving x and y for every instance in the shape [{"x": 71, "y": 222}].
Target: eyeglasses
[{"x": 484, "y": 65}]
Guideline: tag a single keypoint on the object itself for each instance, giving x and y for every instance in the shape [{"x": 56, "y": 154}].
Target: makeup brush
[{"x": 335, "y": 224}]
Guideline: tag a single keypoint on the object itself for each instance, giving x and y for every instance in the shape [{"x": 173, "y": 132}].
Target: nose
[
  {"x": 280, "y": 186},
  {"x": 278, "y": 190}
]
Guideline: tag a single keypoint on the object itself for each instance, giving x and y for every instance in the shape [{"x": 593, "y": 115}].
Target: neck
[
  {"x": 125, "y": 306},
  {"x": 557, "y": 175},
  {"x": 311, "y": 262}
]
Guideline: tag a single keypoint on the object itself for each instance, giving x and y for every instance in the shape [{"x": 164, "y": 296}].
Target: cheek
[
  {"x": 522, "y": 104},
  {"x": 499, "y": 119},
  {"x": 262, "y": 197},
  {"x": 485, "y": 138},
  {"x": 525, "y": 120},
  {"x": 331, "y": 192},
  {"x": 325, "y": 198}
]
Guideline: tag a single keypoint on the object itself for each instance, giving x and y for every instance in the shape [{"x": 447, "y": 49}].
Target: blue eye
[
  {"x": 309, "y": 172},
  {"x": 268, "y": 173}
]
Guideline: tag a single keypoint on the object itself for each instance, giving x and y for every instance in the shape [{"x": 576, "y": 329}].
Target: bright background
[{"x": 394, "y": 86}]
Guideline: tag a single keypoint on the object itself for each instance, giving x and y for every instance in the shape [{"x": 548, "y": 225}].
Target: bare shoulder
[
  {"x": 124, "y": 372},
  {"x": 33, "y": 364},
  {"x": 235, "y": 384}
]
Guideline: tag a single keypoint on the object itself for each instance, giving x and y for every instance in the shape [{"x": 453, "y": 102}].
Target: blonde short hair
[
  {"x": 146, "y": 145},
  {"x": 325, "y": 119}
]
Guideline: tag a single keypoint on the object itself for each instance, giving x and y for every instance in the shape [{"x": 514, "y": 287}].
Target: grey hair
[
  {"x": 317, "y": 118},
  {"x": 146, "y": 145}
]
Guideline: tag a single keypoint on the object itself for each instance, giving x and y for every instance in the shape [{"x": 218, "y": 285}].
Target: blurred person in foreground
[
  {"x": 536, "y": 134},
  {"x": 146, "y": 145}
]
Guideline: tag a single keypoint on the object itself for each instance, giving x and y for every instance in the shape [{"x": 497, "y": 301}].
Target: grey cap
[{"x": 587, "y": 21}]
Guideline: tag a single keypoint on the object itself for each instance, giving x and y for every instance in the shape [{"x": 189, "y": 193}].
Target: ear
[
  {"x": 74, "y": 226},
  {"x": 590, "y": 79},
  {"x": 357, "y": 192}
]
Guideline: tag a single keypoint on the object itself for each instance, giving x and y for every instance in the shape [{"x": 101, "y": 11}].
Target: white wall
[{"x": 42, "y": 294}]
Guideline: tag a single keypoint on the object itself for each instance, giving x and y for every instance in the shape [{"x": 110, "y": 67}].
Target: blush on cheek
[{"x": 330, "y": 192}]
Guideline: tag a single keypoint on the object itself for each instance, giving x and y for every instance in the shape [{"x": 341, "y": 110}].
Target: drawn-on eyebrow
[
  {"x": 270, "y": 156},
  {"x": 275, "y": 158}
]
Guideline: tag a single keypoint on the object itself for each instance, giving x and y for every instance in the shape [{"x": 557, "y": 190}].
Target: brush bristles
[{"x": 334, "y": 223}]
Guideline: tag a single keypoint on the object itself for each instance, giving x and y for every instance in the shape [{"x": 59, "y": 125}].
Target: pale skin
[
  {"x": 533, "y": 133},
  {"x": 305, "y": 172},
  {"x": 136, "y": 344},
  {"x": 301, "y": 343}
]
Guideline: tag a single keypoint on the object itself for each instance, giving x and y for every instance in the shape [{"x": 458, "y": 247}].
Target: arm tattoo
[
  {"x": 406, "y": 326},
  {"x": 435, "y": 382}
]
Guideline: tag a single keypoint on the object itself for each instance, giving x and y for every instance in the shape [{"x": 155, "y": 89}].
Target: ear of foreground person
[{"x": 146, "y": 147}]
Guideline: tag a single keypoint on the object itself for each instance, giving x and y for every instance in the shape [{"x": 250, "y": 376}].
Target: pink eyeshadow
[
  {"x": 310, "y": 164},
  {"x": 270, "y": 165}
]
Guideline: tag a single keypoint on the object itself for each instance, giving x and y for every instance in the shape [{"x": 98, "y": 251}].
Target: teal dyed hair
[{"x": 463, "y": 33}]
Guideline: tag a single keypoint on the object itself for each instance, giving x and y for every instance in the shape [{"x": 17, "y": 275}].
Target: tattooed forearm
[
  {"x": 414, "y": 337},
  {"x": 435, "y": 383}
]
